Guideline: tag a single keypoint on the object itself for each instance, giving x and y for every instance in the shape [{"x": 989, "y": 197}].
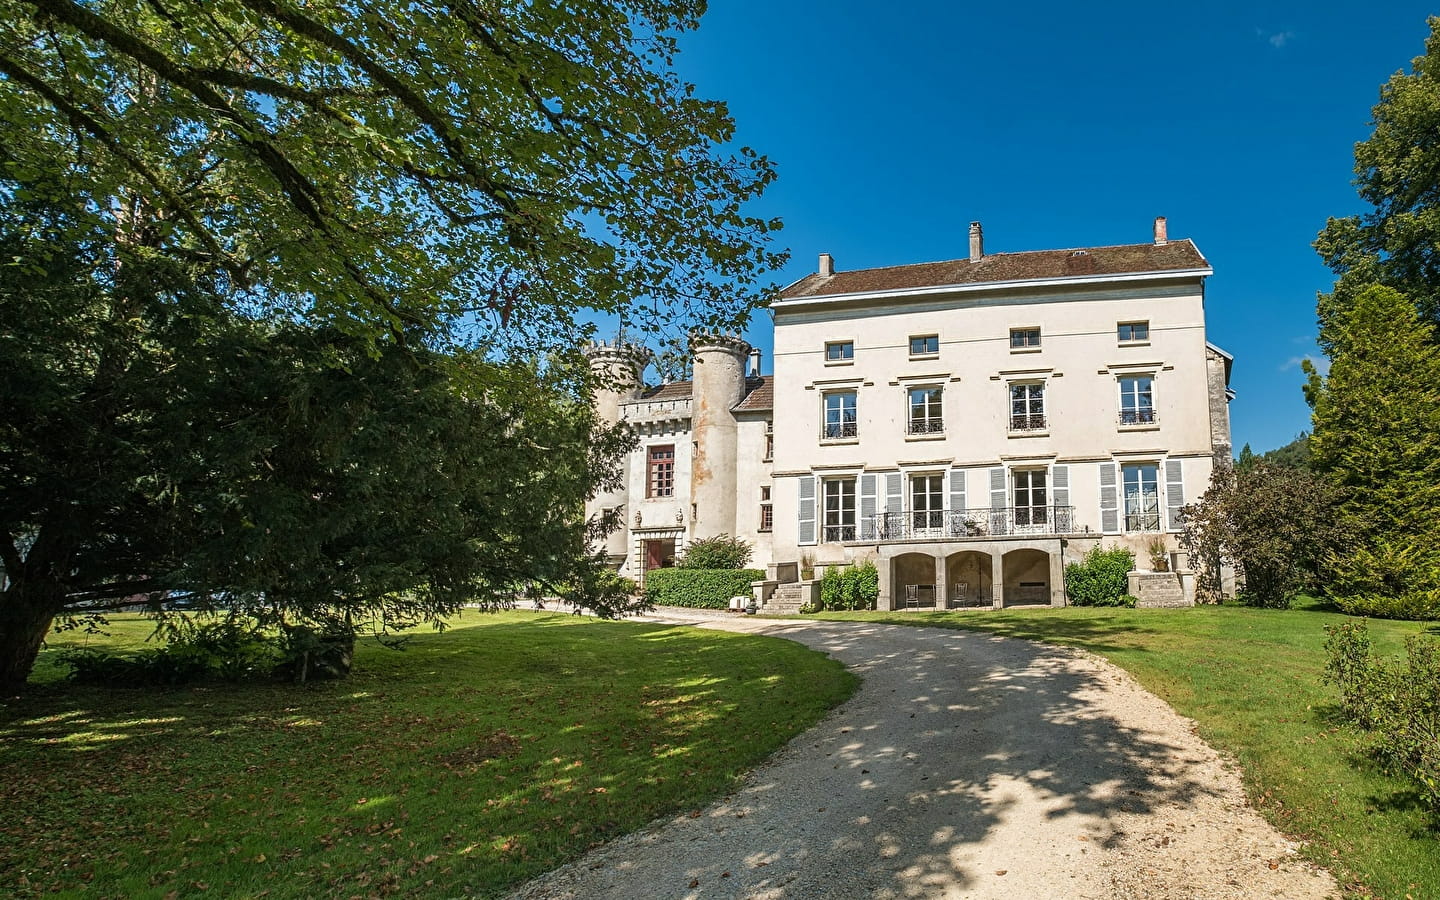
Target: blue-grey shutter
[
  {"x": 957, "y": 490},
  {"x": 1063, "y": 519},
  {"x": 1174, "y": 492},
  {"x": 894, "y": 493},
  {"x": 999, "y": 521},
  {"x": 805, "y": 534},
  {"x": 868, "y": 531},
  {"x": 1109, "y": 500}
]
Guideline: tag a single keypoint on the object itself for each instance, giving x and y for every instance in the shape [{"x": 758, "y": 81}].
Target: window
[
  {"x": 1027, "y": 407},
  {"x": 925, "y": 417},
  {"x": 927, "y": 501},
  {"x": 1024, "y": 338},
  {"x": 1137, "y": 400},
  {"x": 767, "y": 513},
  {"x": 660, "y": 469},
  {"x": 769, "y": 441},
  {"x": 1142, "y": 496},
  {"x": 838, "y": 351},
  {"x": 839, "y": 510},
  {"x": 1029, "y": 495},
  {"x": 925, "y": 345},
  {"x": 1129, "y": 332},
  {"x": 839, "y": 416}
]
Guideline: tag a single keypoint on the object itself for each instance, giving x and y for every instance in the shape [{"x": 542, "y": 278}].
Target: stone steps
[{"x": 787, "y": 600}]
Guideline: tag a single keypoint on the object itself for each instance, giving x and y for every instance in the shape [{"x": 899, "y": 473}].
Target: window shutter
[
  {"x": 1060, "y": 485},
  {"x": 1109, "y": 500},
  {"x": 894, "y": 493},
  {"x": 805, "y": 534},
  {"x": 868, "y": 531},
  {"x": 1174, "y": 492},
  {"x": 997, "y": 488},
  {"x": 957, "y": 490}
]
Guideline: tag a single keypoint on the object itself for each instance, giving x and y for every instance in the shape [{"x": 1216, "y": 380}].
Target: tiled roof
[
  {"x": 759, "y": 395},
  {"x": 675, "y": 390},
  {"x": 1030, "y": 265}
]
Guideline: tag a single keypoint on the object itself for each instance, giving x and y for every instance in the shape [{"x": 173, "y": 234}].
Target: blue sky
[{"x": 893, "y": 126}]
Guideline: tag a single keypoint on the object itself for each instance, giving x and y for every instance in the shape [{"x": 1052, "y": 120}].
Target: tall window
[
  {"x": 927, "y": 501},
  {"x": 1024, "y": 338},
  {"x": 1137, "y": 400},
  {"x": 925, "y": 415},
  {"x": 660, "y": 469},
  {"x": 1142, "y": 496},
  {"x": 840, "y": 415},
  {"x": 838, "y": 351},
  {"x": 1027, "y": 407},
  {"x": 769, "y": 440},
  {"x": 1129, "y": 332},
  {"x": 1030, "y": 497},
  {"x": 925, "y": 345},
  {"x": 767, "y": 513},
  {"x": 839, "y": 510}
]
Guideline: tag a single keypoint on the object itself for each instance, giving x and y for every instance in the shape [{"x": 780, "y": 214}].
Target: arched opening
[
  {"x": 1027, "y": 577},
  {"x": 967, "y": 578},
  {"x": 912, "y": 581}
]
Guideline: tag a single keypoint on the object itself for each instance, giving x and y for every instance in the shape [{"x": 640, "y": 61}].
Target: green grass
[
  {"x": 465, "y": 764},
  {"x": 1254, "y": 681}
]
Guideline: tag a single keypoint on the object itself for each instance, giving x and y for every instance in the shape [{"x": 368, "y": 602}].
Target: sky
[{"x": 893, "y": 126}]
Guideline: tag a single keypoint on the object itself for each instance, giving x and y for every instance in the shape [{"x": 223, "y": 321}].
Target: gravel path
[{"x": 965, "y": 766}]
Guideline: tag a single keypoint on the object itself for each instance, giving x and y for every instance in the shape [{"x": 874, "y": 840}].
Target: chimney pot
[
  {"x": 977, "y": 242},
  {"x": 827, "y": 265},
  {"x": 1160, "y": 238},
  {"x": 754, "y": 362}
]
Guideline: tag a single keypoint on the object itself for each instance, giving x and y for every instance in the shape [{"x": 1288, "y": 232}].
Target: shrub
[
  {"x": 719, "y": 552},
  {"x": 1399, "y": 706},
  {"x": 699, "y": 588},
  {"x": 1100, "y": 578},
  {"x": 850, "y": 587},
  {"x": 1390, "y": 579},
  {"x": 229, "y": 650}
]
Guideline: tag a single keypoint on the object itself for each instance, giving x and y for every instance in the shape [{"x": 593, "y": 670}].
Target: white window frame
[
  {"x": 1131, "y": 412},
  {"x": 837, "y": 431},
  {"x": 834, "y": 527},
  {"x": 1027, "y": 419},
  {"x": 1132, "y": 341},
  {"x": 924, "y": 354},
  {"x": 839, "y": 360},
  {"x": 1151, "y": 520},
  {"x": 933, "y": 419},
  {"x": 1026, "y": 347}
]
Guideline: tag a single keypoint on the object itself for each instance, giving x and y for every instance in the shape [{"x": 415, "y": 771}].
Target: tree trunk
[{"x": 27, "y": 608}]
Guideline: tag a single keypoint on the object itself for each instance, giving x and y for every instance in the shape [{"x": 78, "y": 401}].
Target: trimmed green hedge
[{"x": 699, "y": 588}]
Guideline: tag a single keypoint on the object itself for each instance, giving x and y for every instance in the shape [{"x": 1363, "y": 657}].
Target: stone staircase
[{"x": 786, "y": 600}]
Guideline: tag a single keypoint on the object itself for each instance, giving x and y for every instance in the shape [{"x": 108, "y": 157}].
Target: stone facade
[{"x": 970, "y": 426}]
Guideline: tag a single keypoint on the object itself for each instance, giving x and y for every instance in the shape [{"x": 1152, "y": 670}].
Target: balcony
[
  {"x": 1027, "y": 422},
  {"x": 834, "y": 431},
  {"x": 1137, "y": 416},
  {"x": 925, "y": 426},
  {"x": 1008, "y": 521}
]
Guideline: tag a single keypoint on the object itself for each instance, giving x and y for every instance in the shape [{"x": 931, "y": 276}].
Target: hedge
[
  {"x": 1101, "y": 578},
  {"x": 699, "y": 588}
]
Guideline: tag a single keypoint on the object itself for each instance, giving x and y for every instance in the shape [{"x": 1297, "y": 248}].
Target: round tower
[
  {"x": 718, "y": 383},
  {"x": 615, "y": 370}
]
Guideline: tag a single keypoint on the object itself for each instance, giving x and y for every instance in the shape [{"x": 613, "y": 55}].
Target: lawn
[
  {"x": 462, "y": 765},
  {"x": 1253, "y": 680}
]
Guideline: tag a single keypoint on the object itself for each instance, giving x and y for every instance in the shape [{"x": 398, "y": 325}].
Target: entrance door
[{"x": 660, "y": 554}]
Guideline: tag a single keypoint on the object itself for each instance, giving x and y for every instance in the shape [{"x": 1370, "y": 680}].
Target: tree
[
  {"x": 719, "y": 552},
  {"x": 405, "y": 164},
  {"x": 293, "y": 471},
  {"x": 1275, "y": 524},
  {"x": 1294, "y": 455},
  {"x": 1398, "y": 172}
]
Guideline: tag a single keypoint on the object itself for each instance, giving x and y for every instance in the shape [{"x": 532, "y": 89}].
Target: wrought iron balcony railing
[
  {"x": 835, "y": 430},
  {"x": 963, "y": 523},
  {"x": 1029, "y": 422},
  {"x": 925, "y": 426},
  {"x": 1137, "y": 416}
]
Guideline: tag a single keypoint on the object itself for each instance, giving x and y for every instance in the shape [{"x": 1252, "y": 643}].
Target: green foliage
[
  {"x": 1100, "y": 578},
  {"x": 699, "y": 588},
  {"x": 1275, "y": 524},
  {"x": 1390, "y": 578},
  {"x": 849, "y": 587},
  {"x": 1294, "y": 455},
  {"x": 1398, "y": 173},
  {"x": 231, "y": 649},
  {"x": 1399, "y": 706},
  {"x": 719, "y": 552}
]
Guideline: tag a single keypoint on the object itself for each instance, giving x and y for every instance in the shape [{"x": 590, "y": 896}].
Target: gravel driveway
[{"x": 964, "y": 766}]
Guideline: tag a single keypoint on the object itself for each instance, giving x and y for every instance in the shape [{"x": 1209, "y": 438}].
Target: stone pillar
[
  {"x": 1057, "y": 578},
  {"x": 718, "y": 384},
  {"x": 997, "y": 579},
  {"x": 941, "y": 587},
  {"x": 615, "y": 371},
  {"x": 886, "y": 600}
]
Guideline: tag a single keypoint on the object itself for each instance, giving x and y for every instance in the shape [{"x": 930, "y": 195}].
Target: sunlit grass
[
  {"x": 1254, "y": 682},
  {"x": 460, "y": 766}
]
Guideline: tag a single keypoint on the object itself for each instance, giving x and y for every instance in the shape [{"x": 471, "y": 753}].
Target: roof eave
[{"x": 976, "y": 287}]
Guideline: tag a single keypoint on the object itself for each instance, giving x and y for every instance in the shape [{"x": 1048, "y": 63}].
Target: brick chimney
[
  {"x": 1160, "y": 238},
  {"x": 977, "y": 242},
  {"x": 827, "y": 265}
]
